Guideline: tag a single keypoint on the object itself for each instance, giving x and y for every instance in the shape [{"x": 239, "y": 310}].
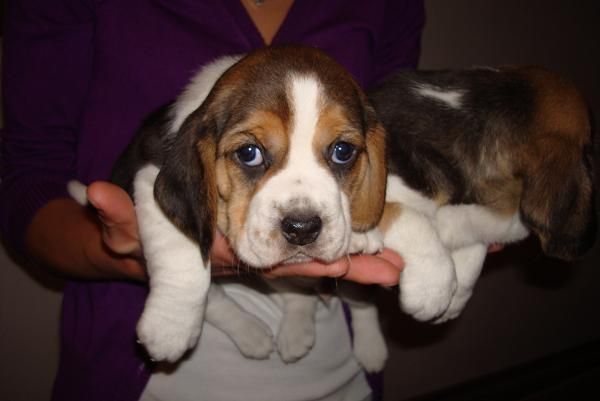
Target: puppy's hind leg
[
  {"x": 296, "y": 334},
  {"x": 253, "y": 337},
  {"x": 369, "y": 344}
]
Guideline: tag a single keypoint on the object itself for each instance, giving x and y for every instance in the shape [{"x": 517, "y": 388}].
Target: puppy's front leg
[
  {"x": 468, "y": 262},
  {"x": 428, "y": 280},
  {"x": 253, "y": 338},
  {"x": 179, "y": 280}
]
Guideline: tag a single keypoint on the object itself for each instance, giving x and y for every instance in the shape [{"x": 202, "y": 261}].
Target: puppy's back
[{"x": 512, "y": 139}]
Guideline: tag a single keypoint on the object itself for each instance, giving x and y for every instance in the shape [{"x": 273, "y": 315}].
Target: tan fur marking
[
  {"x": 263, "y": 128},
  {"x": 368, "y": 197},
  {"x": 365, "y": 183},
  {"x": 441, "y": 198},
  {"x": 391, "y": 211},
  {"x": 560, "y": 106},
  {"x": 206, "y": 148},
  {"x": 502, "y": 195},
  {"x": 334, "y": 125}
]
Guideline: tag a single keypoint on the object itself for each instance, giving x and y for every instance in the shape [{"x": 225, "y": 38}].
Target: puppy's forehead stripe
[{"x": 305, "y": 101}]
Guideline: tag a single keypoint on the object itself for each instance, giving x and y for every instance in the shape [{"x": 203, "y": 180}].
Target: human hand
[
  {"x": 119, "y": 230},
  {"x": 493, "y": 248},
  {"x": 383, "y": 268}
]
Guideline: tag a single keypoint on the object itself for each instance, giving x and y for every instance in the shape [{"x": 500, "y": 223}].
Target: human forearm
[{"x": 67, "y": 238}]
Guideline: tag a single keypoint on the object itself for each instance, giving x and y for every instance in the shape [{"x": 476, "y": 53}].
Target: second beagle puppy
[{"x": 477, "y": 157}]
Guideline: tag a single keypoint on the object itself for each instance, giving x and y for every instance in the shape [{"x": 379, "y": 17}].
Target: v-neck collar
[{"x": 251, "y": 32}]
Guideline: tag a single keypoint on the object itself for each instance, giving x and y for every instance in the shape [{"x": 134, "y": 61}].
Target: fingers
[
  {"x": 383, "y": 269},
  {"x": 495, "y": 248},
  {"x": 221, "y": 254},
  {"x": 339, "y": 268},
  {"x": 117, "y": 215}
]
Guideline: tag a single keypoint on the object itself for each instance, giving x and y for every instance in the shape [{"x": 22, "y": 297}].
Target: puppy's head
[
  {"x": 285, "y": 155},
  {"x": 558, "y": 197}
]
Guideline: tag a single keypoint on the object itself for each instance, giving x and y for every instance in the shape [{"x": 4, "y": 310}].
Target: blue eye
[
  {"x": 250, "y": 155},
  {"x": 342, "y": 152}
]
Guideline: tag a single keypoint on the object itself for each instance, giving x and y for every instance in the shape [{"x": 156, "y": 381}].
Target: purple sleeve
[
  {"x": 400, "y": 42},
  {"x": 46, "y": 69}
]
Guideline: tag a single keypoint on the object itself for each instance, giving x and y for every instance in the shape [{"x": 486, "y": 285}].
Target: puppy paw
[
  {"x": 254, "y": 339},
  {"x": 458, "y": 303},
  {"x": 371, "y": 350},
  {"x": 426, "y": 288},
  {"x": 167, "y": 334},
  {"x": 369, "y": 242},
  {"x": 295, "y": 340}
]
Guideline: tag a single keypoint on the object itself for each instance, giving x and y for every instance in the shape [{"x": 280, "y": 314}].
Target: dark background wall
[{"x": 525, "y": 306}]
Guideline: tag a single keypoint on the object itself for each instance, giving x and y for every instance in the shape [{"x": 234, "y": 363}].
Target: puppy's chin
[{"x": 297, "y": 258}]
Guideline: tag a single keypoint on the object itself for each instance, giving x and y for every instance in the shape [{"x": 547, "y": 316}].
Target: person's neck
[{"x": 267, "y": 15}]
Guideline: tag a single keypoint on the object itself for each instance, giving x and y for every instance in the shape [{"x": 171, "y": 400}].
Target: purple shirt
[{"x": 80, "y": 75}]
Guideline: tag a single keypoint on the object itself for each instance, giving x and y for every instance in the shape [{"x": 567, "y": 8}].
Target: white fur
[
  {"x": 468, "y": 262},
  {"x": 369, "y": 345},
  {"x": 296, "y": 334},
  {"x": 179, "y": 280},
  {"x": 451, "y": 98},
  {"x": 478, "y": 224},
  {"x": 252, "y": 337},
  {"x": 369, "y": 242},
  {"x": 78, "y": 192},
  {"x": 444, "y": 249},
  {"x": 198, "y": 89},
  {"x": 303, "y": 184}
]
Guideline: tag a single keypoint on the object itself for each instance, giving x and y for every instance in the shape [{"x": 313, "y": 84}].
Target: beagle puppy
[
  {"x": 477, "y": 157},
  {"x": 281, "y": 152}
]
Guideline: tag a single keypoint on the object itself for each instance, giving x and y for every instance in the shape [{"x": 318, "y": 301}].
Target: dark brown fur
[{"x": 518, "y": 142}]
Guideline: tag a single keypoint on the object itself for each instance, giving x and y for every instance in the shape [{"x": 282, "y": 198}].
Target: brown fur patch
[
  {"x": 560, "y": 107},
  {"x": 391, "y": 212},
  {"x": 207, "y": 150},
  {"x": 333, "y": 125},
  {"x": 265, "y": 129},
  {"x": 368, "y": 197},
  {"x": 557, "y": 187}
]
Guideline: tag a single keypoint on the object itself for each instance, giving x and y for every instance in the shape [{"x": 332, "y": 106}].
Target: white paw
[
  {"x": 167, "y": 334},
  {"x": 295, "y": 339},
  {"x": 458, "y": 303},
  {"x": 369, "y": 242},
  {"x": 371, "y": 350},
  {"x": 254, "y": 339},
  {"x": 426, "y": 288}
]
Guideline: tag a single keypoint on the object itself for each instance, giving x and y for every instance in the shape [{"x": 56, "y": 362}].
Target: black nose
[{"x": 301, "y": 230}]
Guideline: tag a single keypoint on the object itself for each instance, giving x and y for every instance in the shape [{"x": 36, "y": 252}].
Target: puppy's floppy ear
[
  {"x": 186, "y": 187},
  {"x": 369, "y": 196},
  {"x": 557, "y": 201}
]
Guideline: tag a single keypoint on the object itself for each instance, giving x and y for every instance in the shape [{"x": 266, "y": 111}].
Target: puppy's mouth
[{"x": 298, "y": 258}]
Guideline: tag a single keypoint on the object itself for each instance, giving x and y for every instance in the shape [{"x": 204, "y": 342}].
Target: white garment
[{"x": 217, "y": 371}]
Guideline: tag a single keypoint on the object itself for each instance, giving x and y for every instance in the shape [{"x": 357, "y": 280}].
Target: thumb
[{"x": 117, "y": 215}]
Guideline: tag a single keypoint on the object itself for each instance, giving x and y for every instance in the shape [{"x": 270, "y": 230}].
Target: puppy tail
[{"x": 78, "y": 192}]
